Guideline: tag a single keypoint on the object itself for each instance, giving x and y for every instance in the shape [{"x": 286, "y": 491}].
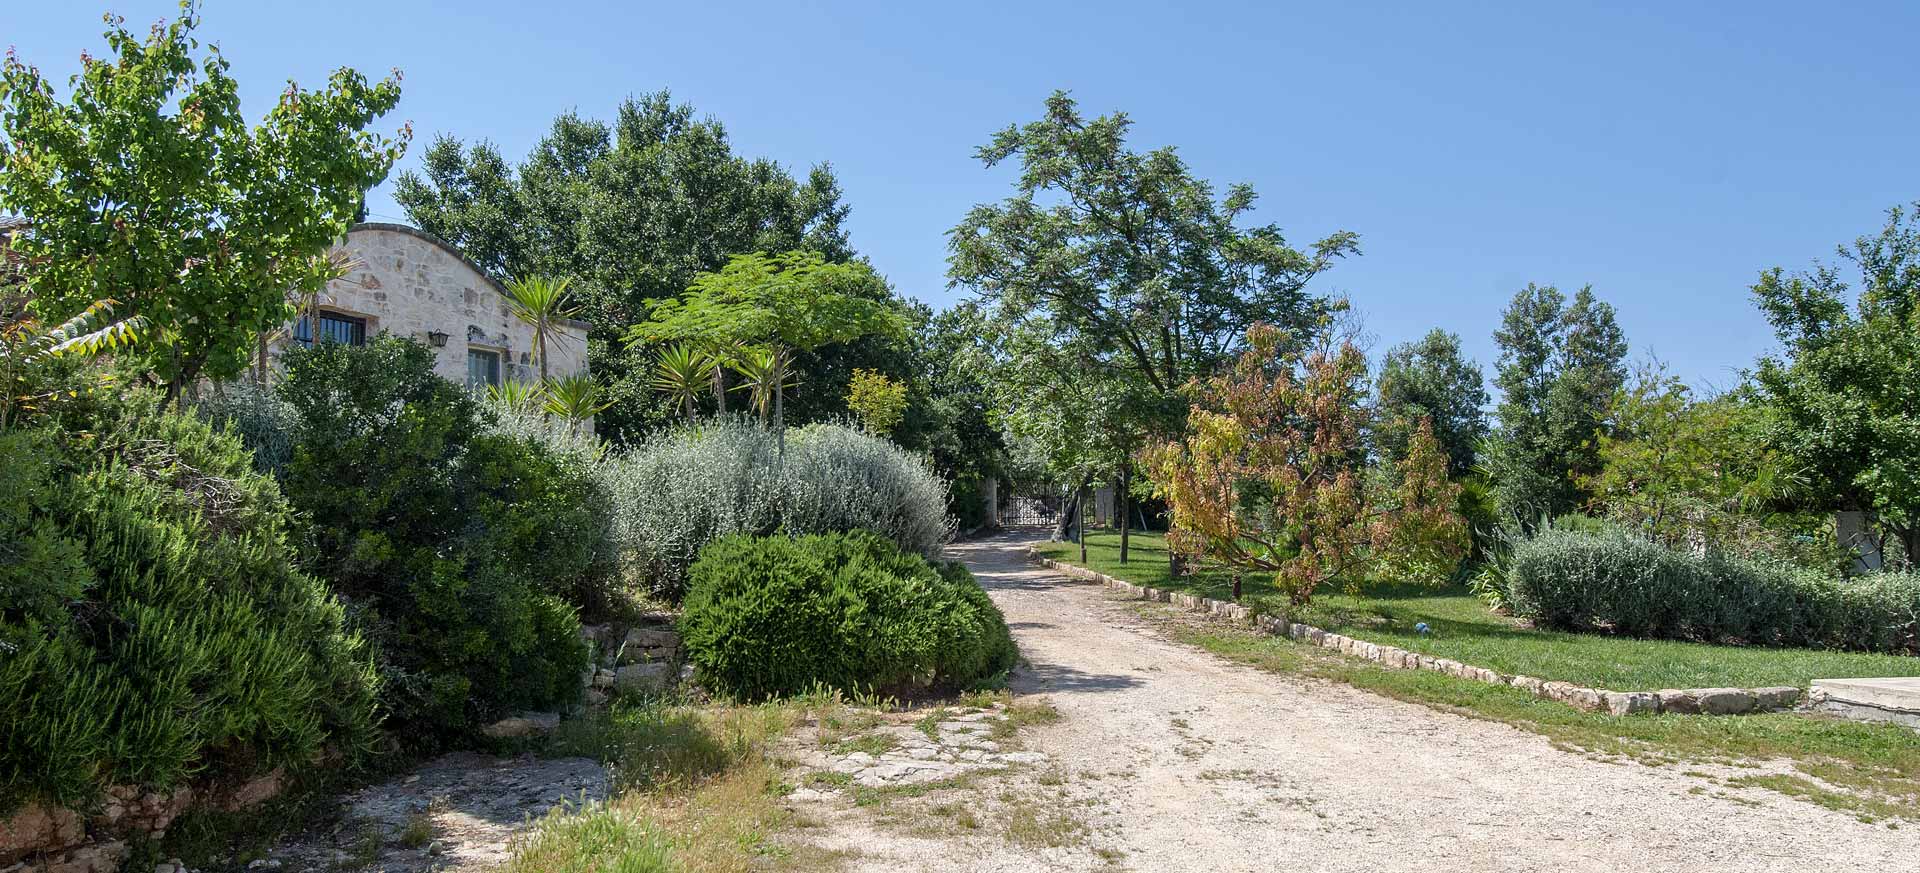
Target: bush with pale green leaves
[
  {"x": 1629, "y": 585},
  {"x": 692, "y": 485}
]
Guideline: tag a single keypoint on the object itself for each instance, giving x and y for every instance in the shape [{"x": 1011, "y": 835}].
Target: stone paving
[{"x": 940, "y": 746}]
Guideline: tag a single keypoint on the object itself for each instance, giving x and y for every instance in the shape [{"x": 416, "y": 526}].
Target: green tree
[
  {"x": 880, "y": 402},
  {"x": 147, "y": 184},
  {"x": 782, "y": 304},
  {"x": 1687, "y": 470},
  {"x": 1431, "y": 380},
  {"x": 1114, "y": 277},
  {"x": 1560, "y": 364},
  {"x": 634, "y": 209},
  {"x": 1845, "y": 391}
]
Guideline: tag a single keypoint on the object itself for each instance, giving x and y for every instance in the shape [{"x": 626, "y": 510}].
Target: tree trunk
[
  {"x": 1073, "y": 508},
  {"x": 780, "y": 411},
  {"x": 1080, "y": 499},
  {"x": 1126, "y": 508},
  {"x": 1236, "y": 586},
  {"x": 719, "y": 387}
]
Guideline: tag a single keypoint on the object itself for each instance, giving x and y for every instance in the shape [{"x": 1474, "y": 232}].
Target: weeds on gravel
[
  {"x": 1871, "y": 771},
  {"x": 699, "y": 794},
  {"x": 659, "y": 745}
]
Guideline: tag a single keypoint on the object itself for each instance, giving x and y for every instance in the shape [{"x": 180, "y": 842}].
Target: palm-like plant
[
  {"x": 541, "y": 301},
  {"x": 305, "y": 300},
  {"x": 682, "y": 372},
  {"x": 575, "y": 398},
  {"x": 25, "y": 341},
  {"x": 766, "y": 372},
  {"x": 518, "y": 396}
]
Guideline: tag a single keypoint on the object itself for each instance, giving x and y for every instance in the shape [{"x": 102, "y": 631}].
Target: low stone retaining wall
[
  {"x": 644, "y": 658},
  {"x": 51, "y": 839},
  {"x": 1701, "y": 701}
]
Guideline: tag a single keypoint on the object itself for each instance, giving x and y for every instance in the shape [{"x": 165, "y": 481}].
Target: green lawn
[{"x": 1463, "y": 629}]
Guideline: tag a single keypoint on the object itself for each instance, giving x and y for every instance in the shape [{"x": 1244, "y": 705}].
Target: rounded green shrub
[
  {"x": 770, "y": 616},
  {"x": 1625, "y": 584},
  {"x": 153, "y": 625}
]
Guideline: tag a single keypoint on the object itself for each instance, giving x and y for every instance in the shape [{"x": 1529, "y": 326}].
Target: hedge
[{"x": 1629, "y": 585}]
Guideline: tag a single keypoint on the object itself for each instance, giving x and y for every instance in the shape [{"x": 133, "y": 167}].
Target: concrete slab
[
  {"x": 1901, "y": 693},
  {"x": 1895, "y": 700}
]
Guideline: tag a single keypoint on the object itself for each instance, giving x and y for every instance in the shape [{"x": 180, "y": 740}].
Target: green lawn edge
[{"x": 1462, "y": 629}]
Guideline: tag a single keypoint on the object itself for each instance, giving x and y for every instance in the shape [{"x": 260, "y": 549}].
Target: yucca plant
[
  {"x": 304, "y": 299},
  {"x": 574, "y": 398},
  {"x": 518, "y": 396},
  {"x": 541, "y": 301},
  {"x": 24, "y": 342},
  {"x": 766, "y": 372},
  {"x": 682, "y": 372}
]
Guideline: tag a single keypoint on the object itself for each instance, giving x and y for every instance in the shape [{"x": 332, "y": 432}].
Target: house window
[
  {"x": 334, "y": 328},
  {"x": 483, "y": 368}
]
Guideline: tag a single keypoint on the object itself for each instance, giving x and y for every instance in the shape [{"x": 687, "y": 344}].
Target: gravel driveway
[{"x": 1201, "y": 764}]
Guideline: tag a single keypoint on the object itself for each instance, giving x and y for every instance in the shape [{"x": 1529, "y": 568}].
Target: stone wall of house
[{"x": 407, "y": 283}]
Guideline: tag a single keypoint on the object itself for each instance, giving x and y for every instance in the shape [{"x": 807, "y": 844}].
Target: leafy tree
[
  {"x": 780, "y": 304},
  {"x": 1560, "y": 364},
  {"x": 634, "y": 209},
  {"x": 1685, "y": 470},
  {"x": 1265, "y": 478},
  {"x": 147, "y": 183},
  {"x": 879, "y": 401},
  {"x": 1845, "y": 391},
  {"x": 1430, "y": 380},
  {"x": 1113, "y": 277}
]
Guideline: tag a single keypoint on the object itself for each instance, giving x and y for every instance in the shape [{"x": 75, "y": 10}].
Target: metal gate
[{"x": 1029, "y": 507}]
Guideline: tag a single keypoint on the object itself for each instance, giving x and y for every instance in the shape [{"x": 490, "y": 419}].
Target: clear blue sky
[{"x": 1664, "y": 153}]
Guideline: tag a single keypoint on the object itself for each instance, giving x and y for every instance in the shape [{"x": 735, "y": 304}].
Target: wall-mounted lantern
[{"x": 437, "y": 339}]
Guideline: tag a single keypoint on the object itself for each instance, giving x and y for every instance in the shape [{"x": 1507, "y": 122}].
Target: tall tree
[
  {"x": 1114, "y": 277},
  {"x": 634, "y": 209},
  {"x": 1560, "y": 365},
  {"x": 147, "y": 185},
  {"x": 1845, "y": 392},
  {"x": 1431, "y": 380}
]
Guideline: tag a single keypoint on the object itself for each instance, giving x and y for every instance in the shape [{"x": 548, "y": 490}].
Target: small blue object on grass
[{"x": 1422, "y": 629}]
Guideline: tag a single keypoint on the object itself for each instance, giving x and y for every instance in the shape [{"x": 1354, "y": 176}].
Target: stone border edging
[{"x": 1693, "y": 701}]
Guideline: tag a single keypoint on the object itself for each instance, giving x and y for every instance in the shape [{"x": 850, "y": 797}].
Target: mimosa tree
[{"x": 777, "y": 304}]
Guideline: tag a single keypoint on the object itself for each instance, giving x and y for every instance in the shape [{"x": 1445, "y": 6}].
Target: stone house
[{"x": 409, "y": 283}]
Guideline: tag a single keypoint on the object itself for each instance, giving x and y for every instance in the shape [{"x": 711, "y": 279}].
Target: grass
[
  {"x": 1870, "y": 771},
  {"x": 698, "y": 792},
  {"x": 1464, "y": 630}
]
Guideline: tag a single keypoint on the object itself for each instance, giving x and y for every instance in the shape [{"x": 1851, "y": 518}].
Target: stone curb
[{"x": 1696, "y": 701}]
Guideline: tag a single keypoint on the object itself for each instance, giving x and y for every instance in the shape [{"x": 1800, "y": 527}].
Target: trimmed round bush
[
  {"x": 771, "y": 616},
  {"x": 1629, "y": 585},
  {"x": 690, "y": 486}
]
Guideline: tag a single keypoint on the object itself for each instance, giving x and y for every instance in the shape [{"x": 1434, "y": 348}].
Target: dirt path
[{"x": 1179, "y": 760}]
